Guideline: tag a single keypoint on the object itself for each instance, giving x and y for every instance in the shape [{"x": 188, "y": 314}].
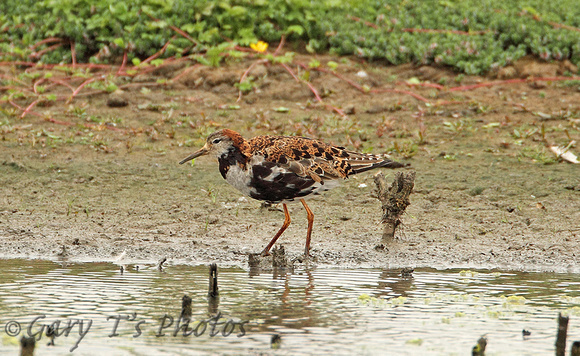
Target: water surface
[{"x": 337, "y": 311}]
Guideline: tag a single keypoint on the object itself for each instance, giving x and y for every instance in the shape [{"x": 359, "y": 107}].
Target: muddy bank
[
  {"x": 463, "y": 213},
  {"x": 488, "y": 192}
]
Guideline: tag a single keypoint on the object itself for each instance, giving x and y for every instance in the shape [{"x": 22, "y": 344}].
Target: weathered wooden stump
[
  {"x": 213, "y": 294},
  {"x": 186, "y": 308},
  {"x": 27, "y": 345},
  {"x": 561, "y": 335},
  {"x": 479, "y": 348},
  {"x": 575, "y": 350},
  {"x": 276, "y": 260},
  {"x": 213, "y": 291},
  {"x": 395, "y": 199}
]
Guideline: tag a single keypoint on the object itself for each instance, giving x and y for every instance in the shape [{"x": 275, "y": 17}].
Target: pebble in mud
[{"x": 118, "y": 99}]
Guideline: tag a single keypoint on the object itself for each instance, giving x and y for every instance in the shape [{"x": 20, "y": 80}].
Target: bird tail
[{"x": 365, "y": 162}]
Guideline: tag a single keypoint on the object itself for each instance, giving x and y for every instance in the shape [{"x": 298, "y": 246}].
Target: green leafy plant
[
  {"x": 246, "y": 85},
  {"x": 470, "y": 36}
]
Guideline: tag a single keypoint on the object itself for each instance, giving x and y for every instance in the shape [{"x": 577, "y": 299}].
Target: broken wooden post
[
  {"x": 395, "y": 200},
  {"x": 185, "y": 308},
  {"x": 160, "y": 263},
  {"x": 27, "y": 345},
  {"x": 562, "y": 333},
  {"x": 407, "y": 272},
  {"x": 213, "y": 292},
  {"x": 575, "y": 350},
  {"x": 275, "y": 341},
  {"x": 479, "y": 348},
  {"x": 279, "y": 257},
  {"x": 213, "y": 282}
]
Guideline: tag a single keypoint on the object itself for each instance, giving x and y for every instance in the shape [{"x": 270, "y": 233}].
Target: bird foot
[{"x": 265, "y": 253}]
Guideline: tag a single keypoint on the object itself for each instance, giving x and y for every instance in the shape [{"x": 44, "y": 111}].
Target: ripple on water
[{"x": 335, "y": 311}]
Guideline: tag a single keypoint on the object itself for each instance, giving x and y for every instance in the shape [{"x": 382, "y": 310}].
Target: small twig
[
  {"x": 178, "y": 30},
  {"x": 40, "y": 53},
  {"x": 567, "y": 27},
  {"x": 36, "y": 84},
  {"x": 280, "y": 45},
  {"x": 512, "y": 81},
  {"x": 22, "y": 109},
  {"x": 244, "y": 49},
  {"x": 45, "y": 41},
  {"x": 51, "y": 66},
  {"x": 184, "y": 72},
  {"x": 184, "y": 34},
  {"x": 160, "y": 52},
  {"x": 13, "y": 79},
  {"x": 414, "y": 95},
  {"x": 363, "y": 90},
  {"x": 358, "y": 19},
  {"x": 290, "y": 71},
  {"x": 313, "y": 90},
  {"x": 122, "y": 67},
  {"x": 260, "y": 61},
  {"x": 429, "y": 85},
  {"x": 61, "y": 82},
  {"x": 58, "y": 122},
  {"x": 124, "y": 86},
  {"x": 341, "y": 77},
  {"x": 551, "y": 23},
  {"x": 73, "y": 54},
  {"x": 335, "y": 109},
  {"x": 317, "y": 96},
  {"x": 88, "y": 81},
  {"x": 489, "y": 84},
  {"x": 455, "y": 32},
  {"x": 29, "y": 107},
  {"x": 166, "y": 62}
]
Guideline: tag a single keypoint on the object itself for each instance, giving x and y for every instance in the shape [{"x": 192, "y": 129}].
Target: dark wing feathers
[{"x": 316, "y": 159}]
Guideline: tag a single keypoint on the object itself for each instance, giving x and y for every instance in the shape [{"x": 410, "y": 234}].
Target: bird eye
[{"x": 217, "y": 140}]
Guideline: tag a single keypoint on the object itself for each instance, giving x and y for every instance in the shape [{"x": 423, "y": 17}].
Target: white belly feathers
[{"x": 240, "y": 179}]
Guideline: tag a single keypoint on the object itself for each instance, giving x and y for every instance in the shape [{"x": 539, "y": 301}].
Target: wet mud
[{"x": 488, "y": 192}]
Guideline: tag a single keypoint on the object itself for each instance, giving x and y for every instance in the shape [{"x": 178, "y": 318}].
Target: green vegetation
[{"x": 470, "y": 36}]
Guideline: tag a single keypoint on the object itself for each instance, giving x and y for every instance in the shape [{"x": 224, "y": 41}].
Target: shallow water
[{"x": 338, "y": 311}]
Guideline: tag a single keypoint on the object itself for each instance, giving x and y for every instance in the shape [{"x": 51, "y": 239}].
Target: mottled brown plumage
[{"x": 284, "y": 168}]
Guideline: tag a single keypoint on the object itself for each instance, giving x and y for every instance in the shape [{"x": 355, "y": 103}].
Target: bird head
[{"x": 218, "y": 144}]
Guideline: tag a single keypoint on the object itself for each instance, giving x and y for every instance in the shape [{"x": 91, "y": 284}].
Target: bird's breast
[{"x": 239, "y": 178}]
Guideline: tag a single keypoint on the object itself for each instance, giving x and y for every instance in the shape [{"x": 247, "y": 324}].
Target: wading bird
[{"x": 282, "y": 169}]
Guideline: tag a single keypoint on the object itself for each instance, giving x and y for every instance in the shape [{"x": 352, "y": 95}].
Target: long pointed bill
[{"x": 196, "y": 154}]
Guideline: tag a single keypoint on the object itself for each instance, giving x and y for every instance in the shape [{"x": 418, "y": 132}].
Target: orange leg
[
  {"x": 287, "y": 220},
  {"x": 310, "y": 217}
]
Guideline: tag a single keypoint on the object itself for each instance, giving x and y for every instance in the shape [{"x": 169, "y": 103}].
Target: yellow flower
[{"x": 261, "y": 46}]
